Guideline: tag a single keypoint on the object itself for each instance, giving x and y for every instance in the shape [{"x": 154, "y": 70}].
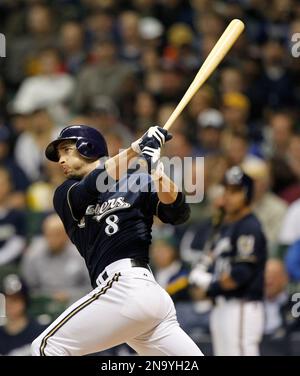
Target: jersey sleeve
[
  {"x": 62, "y": 205},
  {"x": 176, "y": 213}
]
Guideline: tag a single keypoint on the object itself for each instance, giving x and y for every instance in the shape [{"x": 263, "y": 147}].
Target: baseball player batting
[
  {"x": 112, "y": 231},
  {"x": 236, "y": 279}
]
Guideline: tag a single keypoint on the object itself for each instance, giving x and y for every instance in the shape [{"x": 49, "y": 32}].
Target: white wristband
[{"x": 135, "y": 146}]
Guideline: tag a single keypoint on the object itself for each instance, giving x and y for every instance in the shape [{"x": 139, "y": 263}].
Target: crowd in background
[{"x": 123, "y": 66}]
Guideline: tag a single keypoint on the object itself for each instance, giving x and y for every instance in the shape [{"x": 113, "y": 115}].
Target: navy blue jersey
[
  {"x": 115, "y": 224},
  {"x": 241, "y": 252}
]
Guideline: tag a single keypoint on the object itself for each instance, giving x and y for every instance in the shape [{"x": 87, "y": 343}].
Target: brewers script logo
[{"x": 107, "y": 207}]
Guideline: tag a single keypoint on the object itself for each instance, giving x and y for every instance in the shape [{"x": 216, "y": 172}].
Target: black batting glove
[{"x": 158, "y": 135}]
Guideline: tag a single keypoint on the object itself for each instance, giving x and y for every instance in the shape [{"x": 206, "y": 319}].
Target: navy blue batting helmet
[
  {"x": 235, "y": 176},
  {"x": 89, "y": 142}
]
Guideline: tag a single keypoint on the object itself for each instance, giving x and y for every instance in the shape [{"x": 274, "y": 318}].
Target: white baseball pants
[
  {"x": 129, "y": 307},
  {"x": 236, "y": 327}
]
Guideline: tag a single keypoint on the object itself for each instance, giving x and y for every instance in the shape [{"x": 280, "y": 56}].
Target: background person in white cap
[{"x": 209, "y": 134}]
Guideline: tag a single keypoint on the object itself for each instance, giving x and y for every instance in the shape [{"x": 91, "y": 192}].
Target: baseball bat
[{"x": 223, "y": 45}]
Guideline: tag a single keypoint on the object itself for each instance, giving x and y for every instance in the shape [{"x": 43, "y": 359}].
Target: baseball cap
[
  {"x": 150, "y": 28},
  {"x": 103, "y": 105},
  {"x": 12, "y": 285},
  {"x": 235, "y": 99},
  {"x": 211, "y": 118},
  {"x": 180, "y": 34}
]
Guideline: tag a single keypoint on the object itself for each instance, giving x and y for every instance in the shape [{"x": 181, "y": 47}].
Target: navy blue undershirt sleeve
[{"x": 176, "y": 213}]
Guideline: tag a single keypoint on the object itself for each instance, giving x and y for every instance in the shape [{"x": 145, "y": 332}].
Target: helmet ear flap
[{"x": 86, "y": 148}]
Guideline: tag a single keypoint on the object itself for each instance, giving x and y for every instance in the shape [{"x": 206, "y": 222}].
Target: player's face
[
  {"x": 72, "y": 163},
  {"x": 234, "y": 200}
]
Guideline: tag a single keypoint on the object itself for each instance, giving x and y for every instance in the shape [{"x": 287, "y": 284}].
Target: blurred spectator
[
  {"x": 236, "y": 108},
  {"x": 275, "y": 87},
  {"x": 269, "y": 208},
  {"x": 23, "y": 48},
  {"x": 293, "y": 154},
  {"x": 49, "y": 87},
  {"x": 290, "y": 231},
  {"x": 279, "y": 323},
  {"x": 31, "y": 144},
  {"x": 39, "y": 194},
  {"x": 19, "y": 329},
  {"x": 145, "y": 110},
  {"x": 290, "y": 191},
  {"x": 165, "y": 112},
  {"x": 106, "y": 77},
  {"x": 237, "y": 148},
  {"x": 150, "y": 62},
  {"x": 276, "y": 295},
  {"x": 231, "y": 81},
  {"x": 147, "y": 7},
  {"x": 152, "y": 81},
  {"x": 202, "y": 100},
  {"x": 284, "y": 181},
  {"x": 114, "y": 142},
  {"x": 278, "y": 134},
  {"x": 72, "y": 46},
  {"x": 131, "y": 46},
  {"x": 18, "y": 178},
  {"x": 174, "y": 11},
  {"x": 169, "y": 270},
  {"x": 210, "y": 23},
  {"x": 180, "y": 47},
  {"x": 104, "y": 115},
  {"x": 180, "y": 148},
  {"x": 209, "y": 135},
  {"x": 172, "y": 83},
  {"x": 151, "y": 32},
  {"x": 100, "y": 25},
  {"x": 53, "y": 255},
  {"x": 12, "y": 224}
]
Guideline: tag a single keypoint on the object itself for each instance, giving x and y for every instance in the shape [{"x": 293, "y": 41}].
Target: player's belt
[{"x": 134, "y": 263}]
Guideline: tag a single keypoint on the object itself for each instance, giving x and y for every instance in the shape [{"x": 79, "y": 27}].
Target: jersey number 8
[{"x": 112, "y": 226}]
